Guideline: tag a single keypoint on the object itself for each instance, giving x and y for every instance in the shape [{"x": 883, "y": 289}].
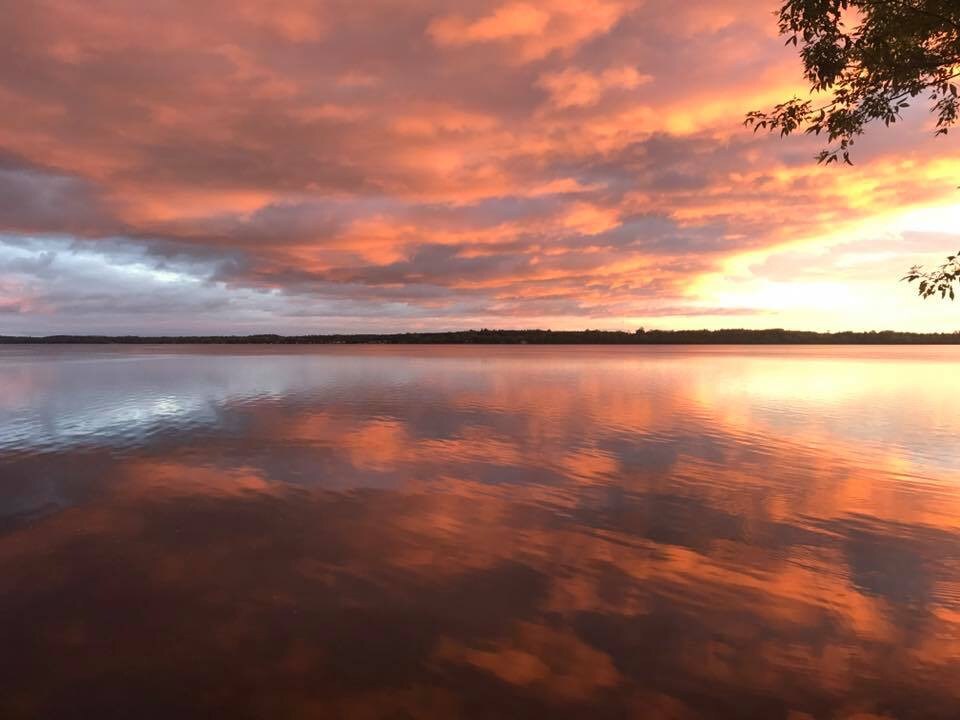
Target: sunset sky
[{"x": 351, "y": 165}]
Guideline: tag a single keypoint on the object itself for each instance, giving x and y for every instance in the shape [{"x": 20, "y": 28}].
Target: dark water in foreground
[{"x": 374, "y": 532}]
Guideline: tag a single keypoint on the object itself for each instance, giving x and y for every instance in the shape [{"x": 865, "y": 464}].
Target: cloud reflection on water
[{"x": 449, "y": 532}]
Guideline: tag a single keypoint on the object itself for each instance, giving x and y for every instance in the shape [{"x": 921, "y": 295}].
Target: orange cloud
[
  {"x": 531, "y": 163},
  {"x": 537, "y": 29},
  {"x": 576, "y": 88}
]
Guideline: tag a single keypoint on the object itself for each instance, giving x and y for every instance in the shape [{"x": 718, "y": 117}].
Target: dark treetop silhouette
[{"x": 871, "y": 58}]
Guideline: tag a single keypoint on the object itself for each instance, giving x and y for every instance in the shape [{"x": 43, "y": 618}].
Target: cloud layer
[{"x": 312, "y": 166}]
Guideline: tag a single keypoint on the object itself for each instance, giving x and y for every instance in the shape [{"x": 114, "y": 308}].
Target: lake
[{"x": 479, "y": 532}]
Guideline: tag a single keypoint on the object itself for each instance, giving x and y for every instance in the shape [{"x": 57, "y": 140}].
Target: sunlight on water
[{"x": 443, "y": 532}]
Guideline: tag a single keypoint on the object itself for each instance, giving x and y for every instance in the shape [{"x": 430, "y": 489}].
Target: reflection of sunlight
[
  {"x": 831, "y": 401},
  {"x": 806, "y": 381},
  {"x": 125, "y": 421}
]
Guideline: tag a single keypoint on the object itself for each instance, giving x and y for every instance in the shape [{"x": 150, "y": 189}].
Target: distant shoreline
[{"x": 518, "y": 337}]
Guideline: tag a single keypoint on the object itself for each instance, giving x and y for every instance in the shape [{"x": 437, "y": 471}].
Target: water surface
[{"x": 479, "y": 532}]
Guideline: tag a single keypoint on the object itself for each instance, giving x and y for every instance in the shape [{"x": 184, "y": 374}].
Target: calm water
[{"x": 388, "y": 532}]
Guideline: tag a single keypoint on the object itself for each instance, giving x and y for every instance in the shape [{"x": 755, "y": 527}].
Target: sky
[{"x": 312, "y": 166}]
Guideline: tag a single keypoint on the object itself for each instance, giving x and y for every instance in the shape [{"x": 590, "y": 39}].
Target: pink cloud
[{"x": 538, "y": 160}]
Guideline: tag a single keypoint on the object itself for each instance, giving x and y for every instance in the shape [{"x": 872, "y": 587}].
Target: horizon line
[{"x": 511, "y": 336}]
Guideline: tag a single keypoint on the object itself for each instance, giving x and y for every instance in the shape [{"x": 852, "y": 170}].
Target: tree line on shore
[{"x": 524, "y": 337}]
